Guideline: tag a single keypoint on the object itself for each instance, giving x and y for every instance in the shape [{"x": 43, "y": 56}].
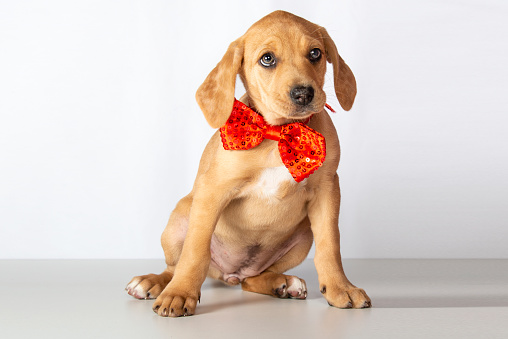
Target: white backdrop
[{"x": 100, "y": 134}]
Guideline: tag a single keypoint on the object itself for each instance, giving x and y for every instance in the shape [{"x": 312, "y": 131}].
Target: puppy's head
[{"x": 281, "y": 60}]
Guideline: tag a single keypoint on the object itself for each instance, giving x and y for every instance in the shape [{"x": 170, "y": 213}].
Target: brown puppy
[{"x": 246, "y": 219}]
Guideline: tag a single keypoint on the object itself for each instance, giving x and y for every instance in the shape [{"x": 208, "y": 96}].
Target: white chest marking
[{"x": 270, "y": 181}]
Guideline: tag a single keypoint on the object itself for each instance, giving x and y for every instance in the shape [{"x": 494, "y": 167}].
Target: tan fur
[{"x": 227, "y": 201}]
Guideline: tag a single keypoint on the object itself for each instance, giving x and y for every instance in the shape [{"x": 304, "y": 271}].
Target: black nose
[{"x": 302, "y": 95}]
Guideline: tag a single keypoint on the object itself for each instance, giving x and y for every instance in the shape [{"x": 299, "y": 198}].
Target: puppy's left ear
[
  {"x": 216, "y": 94},
  {"x": 343, "y": 78}
]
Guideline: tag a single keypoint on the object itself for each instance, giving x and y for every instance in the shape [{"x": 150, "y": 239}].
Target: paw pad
[{"x": 294, "y": 288}]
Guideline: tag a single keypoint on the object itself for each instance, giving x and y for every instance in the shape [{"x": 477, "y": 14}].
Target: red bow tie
[{"x": 301, "y": 148}]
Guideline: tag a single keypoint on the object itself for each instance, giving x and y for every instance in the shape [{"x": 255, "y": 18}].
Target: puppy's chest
[{"x": 274, "y": 184}]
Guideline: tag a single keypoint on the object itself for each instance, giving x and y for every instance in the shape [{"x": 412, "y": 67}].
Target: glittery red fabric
[{"x": 301, "y": 148}]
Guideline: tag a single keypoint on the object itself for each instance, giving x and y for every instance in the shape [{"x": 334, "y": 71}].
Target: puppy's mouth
[
  {"x": 302, "y": 113},
  {"x": 283, "y": 112}
]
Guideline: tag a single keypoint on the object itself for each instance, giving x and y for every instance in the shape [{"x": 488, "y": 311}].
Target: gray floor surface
[{"x": 411, "y": 298}]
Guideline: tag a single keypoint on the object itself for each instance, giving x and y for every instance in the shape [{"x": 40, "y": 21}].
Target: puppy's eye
[
  {"x": 315, "y": 55},
  {"x": 267, "y": 60}
]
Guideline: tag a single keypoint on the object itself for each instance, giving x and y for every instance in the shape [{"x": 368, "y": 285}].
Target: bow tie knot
[{"x": 302, "y": 149}]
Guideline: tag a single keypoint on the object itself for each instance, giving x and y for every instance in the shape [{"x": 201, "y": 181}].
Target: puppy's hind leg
[
  {"x": 150, "y": 286},
  {"x": 273, "y": 282},
  {"x": 277, "y": 285}
]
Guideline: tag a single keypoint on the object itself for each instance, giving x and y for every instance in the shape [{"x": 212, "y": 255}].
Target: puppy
[{"x": 267, "y": 185}]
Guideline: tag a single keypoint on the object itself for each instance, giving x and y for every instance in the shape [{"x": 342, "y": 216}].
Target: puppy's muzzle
[{"x": 302, "y": 95}]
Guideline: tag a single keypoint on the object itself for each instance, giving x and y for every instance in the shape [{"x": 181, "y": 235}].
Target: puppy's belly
[
  {"x": 260, "y": 227},
  {"x": 237, "y": 263}
]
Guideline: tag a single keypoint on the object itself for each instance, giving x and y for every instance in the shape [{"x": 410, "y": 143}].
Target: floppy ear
[
  {"x": 216, "y": 94},
  {"x": 343, "y": 78}
]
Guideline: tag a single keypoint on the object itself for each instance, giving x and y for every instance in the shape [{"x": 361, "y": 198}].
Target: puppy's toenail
[
  {"x": 366, "y": 304},
  {"x": 349, "y": 305},
  {"x": 323, "y": 290}
]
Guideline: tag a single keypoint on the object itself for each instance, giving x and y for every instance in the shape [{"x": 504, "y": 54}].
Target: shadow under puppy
[{"x": 267, "y": 184}]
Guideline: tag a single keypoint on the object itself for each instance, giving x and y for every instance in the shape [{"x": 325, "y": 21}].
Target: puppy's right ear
[{"x": 216, "y": 94}]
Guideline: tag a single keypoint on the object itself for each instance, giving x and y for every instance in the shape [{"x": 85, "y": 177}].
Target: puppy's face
[
  {"x": 284, "y": 65},
  {"x": 281, "y": 60}
]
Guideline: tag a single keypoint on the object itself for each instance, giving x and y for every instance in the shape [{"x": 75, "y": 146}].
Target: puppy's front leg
[
  {"x": 181, "y": 295},
  {"x": 324, "y": 218}
]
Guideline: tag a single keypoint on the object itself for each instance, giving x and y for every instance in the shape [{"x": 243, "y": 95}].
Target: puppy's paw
[
  {"x": 348, "y": 297},
  {"x": 290, "y": 287},
  {"x": 148, "y": 286},
  {"x": 176, "y": 304}
]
